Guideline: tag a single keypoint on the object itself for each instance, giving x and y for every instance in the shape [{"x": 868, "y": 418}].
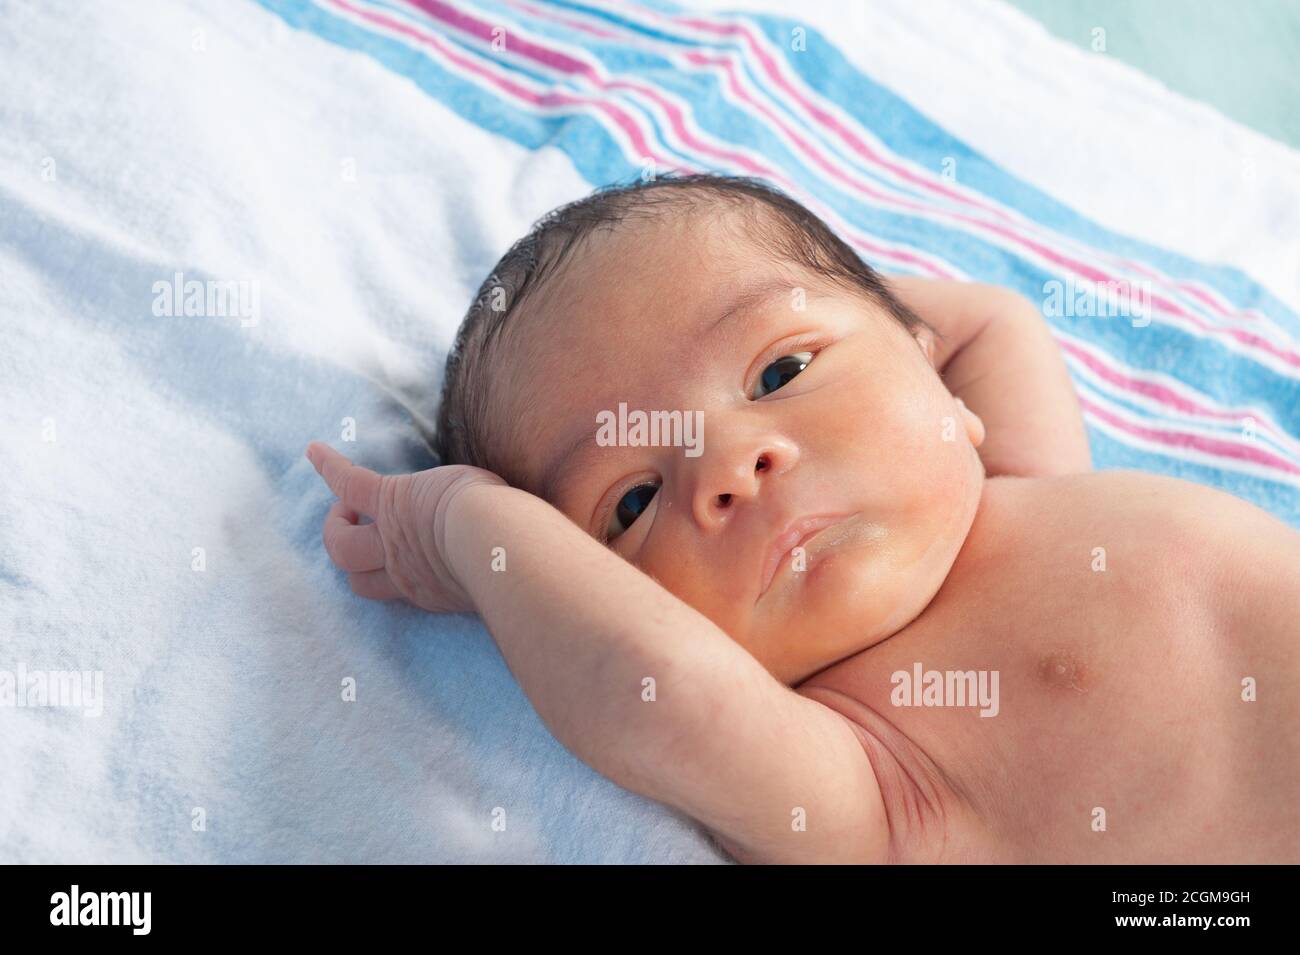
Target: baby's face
[{"x": 864, "y": 435}]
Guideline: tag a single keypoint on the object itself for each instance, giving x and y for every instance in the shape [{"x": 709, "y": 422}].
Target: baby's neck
[{"x": 988, "y": 531}]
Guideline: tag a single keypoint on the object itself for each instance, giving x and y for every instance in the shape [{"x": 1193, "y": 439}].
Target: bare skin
[
  {"x": 1120, "y": 689},
  {"x": 658, "y": 658}
]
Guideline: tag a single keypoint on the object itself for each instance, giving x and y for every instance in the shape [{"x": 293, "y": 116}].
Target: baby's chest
[{"x": 1024, "y": 712}]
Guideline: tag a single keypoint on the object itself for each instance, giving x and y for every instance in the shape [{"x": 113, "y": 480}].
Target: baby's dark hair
[{"x": 789, "y": 233}]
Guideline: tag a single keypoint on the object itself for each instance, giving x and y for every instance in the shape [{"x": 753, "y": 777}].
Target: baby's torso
[{"x": 1107, "y": 652}]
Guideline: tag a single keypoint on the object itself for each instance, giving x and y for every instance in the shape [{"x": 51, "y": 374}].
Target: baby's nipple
[{"x": 1063, "y": 669}]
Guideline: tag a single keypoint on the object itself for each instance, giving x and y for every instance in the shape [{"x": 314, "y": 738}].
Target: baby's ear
[
  {"x": 925, "y": 338},
  {"x": 974, "y": 424}
]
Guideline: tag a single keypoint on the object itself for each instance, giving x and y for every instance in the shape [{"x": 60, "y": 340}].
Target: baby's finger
[
  {"x": 374, "y": 585},
  {"x": 353, "y": 547},
  {"x": 355, "y": 486}
]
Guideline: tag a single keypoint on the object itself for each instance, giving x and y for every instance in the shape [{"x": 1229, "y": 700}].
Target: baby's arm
[
  {"x": 723, "y": 741},
  {"x": 582, "y": 630},
  {"x": 997, "y": 354}
]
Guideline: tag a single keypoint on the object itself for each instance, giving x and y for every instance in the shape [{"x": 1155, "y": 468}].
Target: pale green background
[{"x": 1240, "y": 56}]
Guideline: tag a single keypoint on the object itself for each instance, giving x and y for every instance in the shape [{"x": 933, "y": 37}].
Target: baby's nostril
[
  {"x": 724, "y": 499},
  {"x": 762, "y": 463}
]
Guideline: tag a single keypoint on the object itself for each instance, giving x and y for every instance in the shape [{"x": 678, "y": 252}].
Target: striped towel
[{"x": 1182, "y": 368}]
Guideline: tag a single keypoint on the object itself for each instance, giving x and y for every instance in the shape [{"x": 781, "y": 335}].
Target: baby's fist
[{"x": 400, "y": 555}]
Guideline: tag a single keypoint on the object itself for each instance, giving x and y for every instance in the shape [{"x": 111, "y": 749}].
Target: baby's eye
[
  {"x": 629, "y": 508},
  {"x": 779, "y": 372}
]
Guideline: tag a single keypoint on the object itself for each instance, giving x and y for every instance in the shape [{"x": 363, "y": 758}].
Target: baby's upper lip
[{"x": 791, "y": 535}]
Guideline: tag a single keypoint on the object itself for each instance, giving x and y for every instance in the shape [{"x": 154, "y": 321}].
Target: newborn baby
[{"x": 846, "y": 625}]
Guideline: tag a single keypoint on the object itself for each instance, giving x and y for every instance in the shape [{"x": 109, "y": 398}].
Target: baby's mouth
[{"x": 812, "y": 533}]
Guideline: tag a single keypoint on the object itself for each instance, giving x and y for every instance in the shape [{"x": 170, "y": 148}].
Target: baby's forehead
[
  {"x": 663, "y": 274},
  {"x": 660, "y": 250}
]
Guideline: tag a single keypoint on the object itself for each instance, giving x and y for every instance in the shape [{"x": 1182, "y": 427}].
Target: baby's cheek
[
  {"x": 936, "y": 482},
  {"x": 717, "y": 591},
  {"x": 924, "y": 450},
  {"x": 953, "y": 480}
]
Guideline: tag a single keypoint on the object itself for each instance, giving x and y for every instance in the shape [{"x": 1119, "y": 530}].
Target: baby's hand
[{"x": 401, "y": 554}]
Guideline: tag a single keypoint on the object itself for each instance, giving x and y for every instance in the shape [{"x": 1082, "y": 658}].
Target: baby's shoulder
[
  {"x": 1179, "y": 534},
  {"x": 1175, "y": 537},
  {"x": 1151, "y": 508}
]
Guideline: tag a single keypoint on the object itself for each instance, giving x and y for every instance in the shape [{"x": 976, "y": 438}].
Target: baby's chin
[
  {"x": 867, "y": 586},
  {"x": 850, "y": 600}
]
